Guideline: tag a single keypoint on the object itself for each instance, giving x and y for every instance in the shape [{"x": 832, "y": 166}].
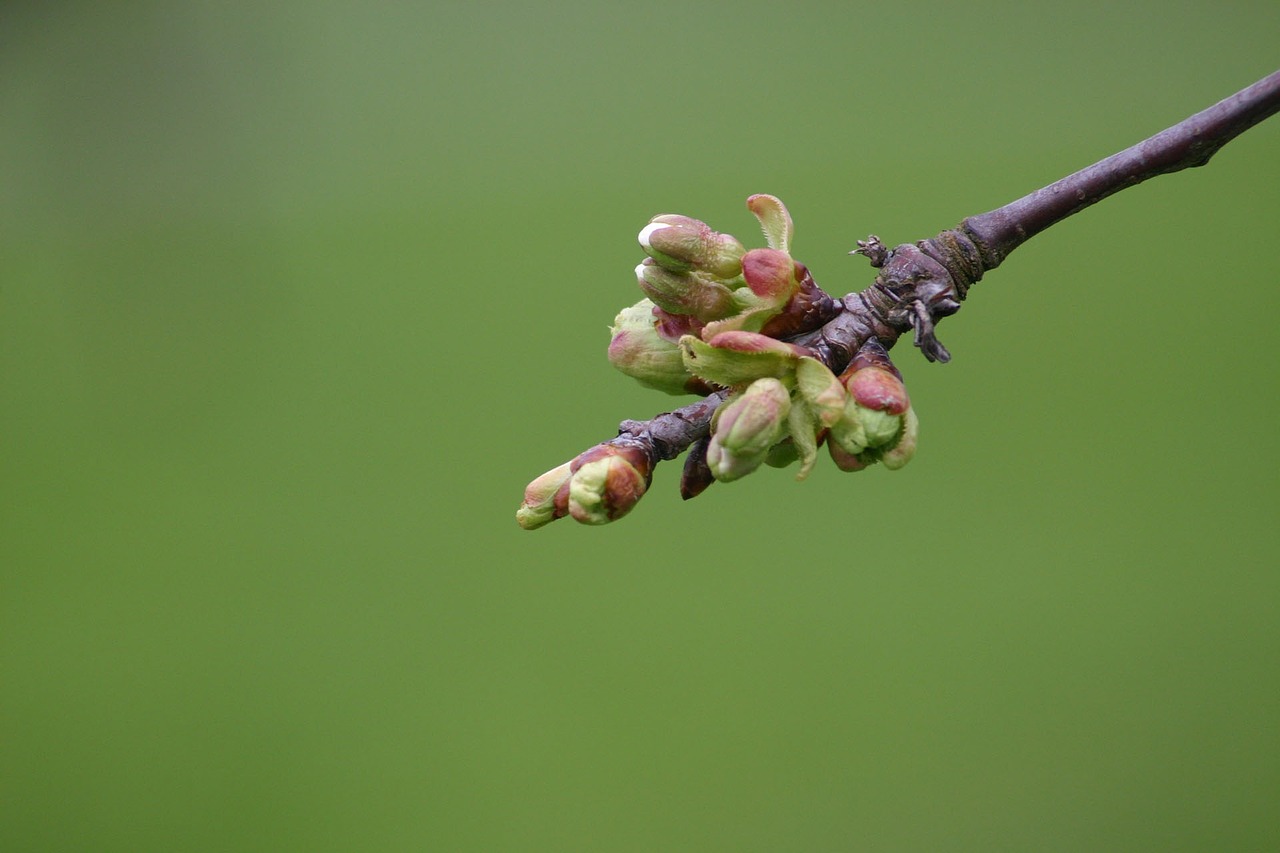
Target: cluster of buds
[
  {"x": 699, "y": 282},
  {"x": 599, "y": 486},
  {"x": 786, "y": 403},
  {"x": 715, "y": 318}
]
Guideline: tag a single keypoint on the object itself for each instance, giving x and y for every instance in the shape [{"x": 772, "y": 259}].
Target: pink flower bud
[
  {"x": 878, "y": 389},
  {"x": 692, "y": 293},
  {"x": 874, "y": 382},
  {"x": 681, "y": 243},
  {"x": 771, "y": 274}
]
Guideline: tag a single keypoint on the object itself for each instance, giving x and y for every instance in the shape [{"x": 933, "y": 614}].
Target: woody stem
[
  {"x": 982, "y": 242},
  {"x": 1190, "y": 142}
]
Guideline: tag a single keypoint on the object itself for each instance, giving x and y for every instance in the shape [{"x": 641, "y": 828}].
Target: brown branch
[
  {"x": 921, "y": 283},
  {"x": 937, "y": 273},
  {"x": 1187, "y": 144}
]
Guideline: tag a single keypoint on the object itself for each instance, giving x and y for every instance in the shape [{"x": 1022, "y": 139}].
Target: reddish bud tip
[{"x": 770, "y": 273}]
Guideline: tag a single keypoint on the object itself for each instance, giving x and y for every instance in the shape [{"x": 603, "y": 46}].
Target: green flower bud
[
  {"x": 881, "y": 428},
  {"x": 894, "y": 454},
  {"x": 640, "y": 351},
  {"x": 902, "y": 452},
  {"x": 681, "y": 243},
  {"x": 746, "y": 427},
  {"x": 818, "y": 405},
  {"x": 878, "y": 398},
  {"x": 607, "y": 482},
  {"x": 539, "y": 505},
  {"x": 847, "y": 433},
  {"x": 691, "y": 293}
]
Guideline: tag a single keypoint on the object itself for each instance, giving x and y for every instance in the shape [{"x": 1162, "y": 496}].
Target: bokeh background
[{"x": 296, "y": 297}]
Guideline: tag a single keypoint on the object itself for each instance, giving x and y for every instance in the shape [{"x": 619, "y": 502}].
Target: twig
[
  {"x": 923, "y": 282},
  {"x": 918, "y": 285}
]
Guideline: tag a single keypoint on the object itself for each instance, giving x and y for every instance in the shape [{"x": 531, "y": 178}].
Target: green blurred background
[{"x": 296, "y": 297}]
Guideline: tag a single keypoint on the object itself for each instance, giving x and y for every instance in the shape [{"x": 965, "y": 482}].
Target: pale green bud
[
  {"x": 878, "y": 399},
  {"x": 638, "y": 350},
  {"x": 902, "y": 452},
  {"x": 881, "y": 428},
  {"x": 803, "y": 426},
  {"x": 746, "y": 427},
  {"x": 894, "y": 454},
  {"x": 847, "y": 432},
  {"x": 539, "y": 505}
]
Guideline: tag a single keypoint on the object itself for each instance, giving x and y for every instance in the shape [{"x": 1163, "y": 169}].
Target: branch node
[{"x": 873, "y": 249}]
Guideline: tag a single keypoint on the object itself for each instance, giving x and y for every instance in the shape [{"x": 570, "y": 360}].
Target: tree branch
[
  {"x": 920, "y": 283},
  {"x": 1187, "y": 144}
]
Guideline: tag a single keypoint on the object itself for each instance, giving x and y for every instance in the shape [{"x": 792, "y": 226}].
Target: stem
[{"x": 1188, "y": 143}]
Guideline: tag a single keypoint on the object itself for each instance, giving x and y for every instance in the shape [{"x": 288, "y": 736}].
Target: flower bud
[
  {"x": 878, "y": 398},
  {"x": 607, "y": 481},
  {"x": 770, "y": 274},
  {"x": 681, "y": 243},
  {"x": 539, "y": 505},
  {"x": 691, "y": 293},
  {"x": 847, "y": 433},
  {"x": 878, "y": 389},
  {"x": 639, "y": 350},
  {"x": 881, "y": 428},
  {"x": 894, "y": 454},
  {"x": 746, "y": 427},
  {"x": 902, "y": 452}
]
